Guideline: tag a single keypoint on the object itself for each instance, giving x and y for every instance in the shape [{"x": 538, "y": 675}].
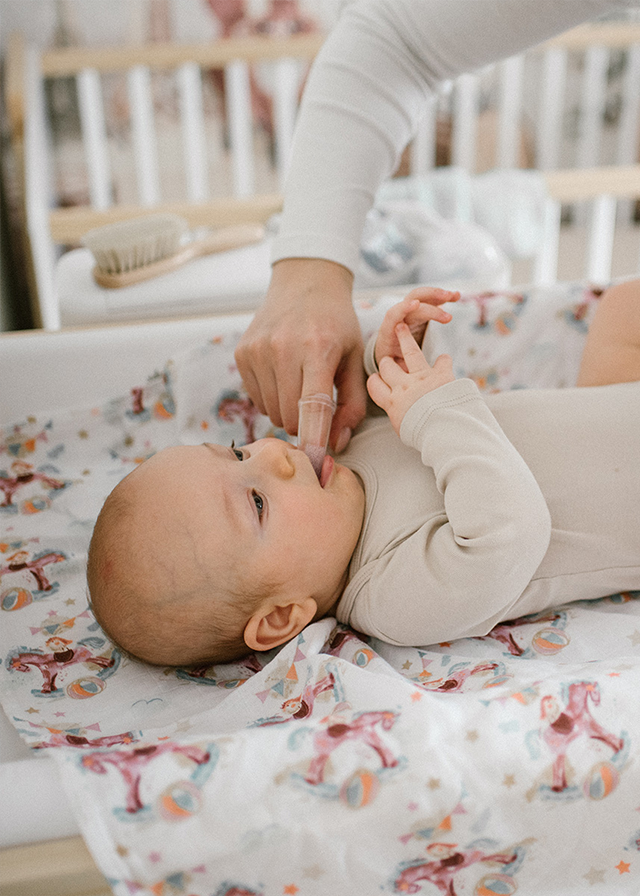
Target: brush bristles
[{"x": 129, "y": 245}]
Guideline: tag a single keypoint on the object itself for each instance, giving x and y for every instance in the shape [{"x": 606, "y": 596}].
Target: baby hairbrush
[{"x": 128, "y": 252}]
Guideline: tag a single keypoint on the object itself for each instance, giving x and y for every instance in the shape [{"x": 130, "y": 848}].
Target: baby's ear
[{"x": 274, "y": 625}]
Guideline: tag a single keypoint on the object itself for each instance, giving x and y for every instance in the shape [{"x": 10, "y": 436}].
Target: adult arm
[{"x": 361, "y": 106}]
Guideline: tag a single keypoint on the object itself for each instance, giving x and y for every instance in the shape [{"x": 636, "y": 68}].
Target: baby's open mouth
[{"x": 327, "y": 469}]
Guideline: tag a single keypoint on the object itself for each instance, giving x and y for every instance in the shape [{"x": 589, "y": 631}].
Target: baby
[{"x": 452, "y": 513}]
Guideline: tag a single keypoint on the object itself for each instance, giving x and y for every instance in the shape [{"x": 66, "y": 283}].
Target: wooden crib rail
[
  {"x": 68, "y": 225},
  {"x": 602, "y": 188},
  {"x": 570, "y": 185},
  {"x": 167, "y": 55}
]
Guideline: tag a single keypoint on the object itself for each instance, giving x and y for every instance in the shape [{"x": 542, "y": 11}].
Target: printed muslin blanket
[{"x": 335, "y": 765}]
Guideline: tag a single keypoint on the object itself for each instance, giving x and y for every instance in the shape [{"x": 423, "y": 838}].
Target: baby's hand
[
  {"x": 416, "y": 310},
  {"x": 395, "y": 388}
]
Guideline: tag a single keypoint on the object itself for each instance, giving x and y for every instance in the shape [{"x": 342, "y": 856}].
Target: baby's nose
[{"x": 279, "y": 457}]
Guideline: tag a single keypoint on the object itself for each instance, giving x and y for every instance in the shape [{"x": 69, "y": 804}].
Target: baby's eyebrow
[{"x": 220, "y": 450}]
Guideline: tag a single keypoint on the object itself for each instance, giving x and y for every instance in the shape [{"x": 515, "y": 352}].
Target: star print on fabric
[
  {"x": 433, "y": 783},
  {"x": 634, "y": 637},
  {"x": 509, "y": 781},
  {"x": 290, "y": 890},
  {"x": 408, "y": 664},
  {"x": 624, "y": 867},
  {"x": 472, "y": 735}
]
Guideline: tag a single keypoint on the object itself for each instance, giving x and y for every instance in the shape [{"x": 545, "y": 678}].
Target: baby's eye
[
  {"x": 258, "y": 502},
  {"x": 238, "y": 453}
]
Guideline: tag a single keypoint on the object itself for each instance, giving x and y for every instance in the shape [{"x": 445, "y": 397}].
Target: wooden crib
[{"x": 494, "y": 118}]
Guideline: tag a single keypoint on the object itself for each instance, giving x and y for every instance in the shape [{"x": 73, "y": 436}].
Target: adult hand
[{"x": 304, "y": 338}]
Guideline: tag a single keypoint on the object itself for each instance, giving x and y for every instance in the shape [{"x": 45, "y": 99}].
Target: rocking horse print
[
  {"x": 362, "y": 729},
  {"x": 132, "y": 763},
  {"x": 20, "y": 562},
  {"x": 23, "y": 474},
  {"x": 563, "y": 725},
  {"x": 61, "y": 657},
  {"x": 445, "y": 861}
]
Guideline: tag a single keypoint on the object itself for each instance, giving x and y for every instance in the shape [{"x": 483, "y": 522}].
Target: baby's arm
[{"x": 459, "y": 572}]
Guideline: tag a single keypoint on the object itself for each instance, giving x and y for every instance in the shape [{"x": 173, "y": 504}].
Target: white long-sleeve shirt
[
  {"x": 366, "y": 94},
  {"x": 490, "y": 508}
]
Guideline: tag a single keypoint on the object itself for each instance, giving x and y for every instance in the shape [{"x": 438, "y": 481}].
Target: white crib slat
[
  {"x": 285, "y": 104},
  {"x": 509, "y": 111},
  {"x": 465, "y": 120},
  {"x": 592, "y": 106},
  {"x": 627, "y": 150},
  {"x": 193, "y": 134},
  {"x": 602, "y": 231},
  {"x": 238, "y": 98},
  {"x": 94, "y": 136},
  {"x": 545, "y": 269},
  {"x": 145, "y": 149},
  {"x": 38, "y": 193},
  {"x": 423, "y": 148},
  {"x": 549, "y": 130}
]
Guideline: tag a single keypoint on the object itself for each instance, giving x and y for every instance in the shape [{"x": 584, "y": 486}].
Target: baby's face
[{"x": 260, "y": 510}]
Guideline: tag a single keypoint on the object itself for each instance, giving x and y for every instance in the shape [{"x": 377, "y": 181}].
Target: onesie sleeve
[
  {"x": 366, "y": 93},
  {"x": 461, "y": 571}
]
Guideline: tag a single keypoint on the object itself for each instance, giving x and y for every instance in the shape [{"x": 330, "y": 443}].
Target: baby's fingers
[
  {"x": 443, "y": 363},
  {"x": 399, "y": 312},
  {"x": 417, "y": 317},
  {"x": 433, "y": 295},
  {"x": 413, "y": 357},
  {"x": 378, "y": 390}
]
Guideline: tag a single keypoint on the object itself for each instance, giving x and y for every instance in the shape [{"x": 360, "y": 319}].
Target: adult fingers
[{"x": 352, "y": 399}]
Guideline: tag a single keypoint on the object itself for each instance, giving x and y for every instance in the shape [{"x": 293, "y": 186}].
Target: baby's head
[{"x": 204, "y": 553}]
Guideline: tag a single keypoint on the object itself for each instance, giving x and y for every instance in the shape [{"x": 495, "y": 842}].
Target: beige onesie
[{"x": 468, "y": 522}]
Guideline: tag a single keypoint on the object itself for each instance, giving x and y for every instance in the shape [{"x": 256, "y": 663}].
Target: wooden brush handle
[{"x": 219, "y": 241}]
